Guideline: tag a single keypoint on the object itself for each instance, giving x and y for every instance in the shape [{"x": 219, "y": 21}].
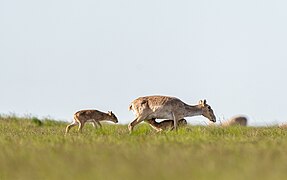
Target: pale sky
[{"x": 60, "y": 56}]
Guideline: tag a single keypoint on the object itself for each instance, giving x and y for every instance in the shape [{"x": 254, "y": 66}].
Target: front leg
[
  {"x": 98, "y": 123},
  {"x": 81, "y": 125},
  {"x": 94, "y": 124},
  {"x": 175, "y": 120}
]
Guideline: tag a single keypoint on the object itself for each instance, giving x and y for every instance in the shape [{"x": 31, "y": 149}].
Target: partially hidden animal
[
  {"x": 235, "y": 121},
  {"x": 283, "y": 125},
  {"x": 165, "y": 124},
  {"x": 166, "y": 107},
  {"x": 94, "y": 116}
]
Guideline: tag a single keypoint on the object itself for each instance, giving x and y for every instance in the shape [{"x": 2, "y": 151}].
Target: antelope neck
[{"x": 193, "y": 110}]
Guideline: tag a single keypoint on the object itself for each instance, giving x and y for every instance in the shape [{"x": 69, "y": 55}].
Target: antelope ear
[
  {"x": 200, "y": 102},
  {"x": 109, "y": 112},
  {"x": 204, "y": 101}
]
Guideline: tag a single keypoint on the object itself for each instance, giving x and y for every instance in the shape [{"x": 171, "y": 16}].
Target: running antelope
[
  {"x": 235, "y": 121},
  {"x": 94, "y": 116},
  {"x": 164, "y": 125},
  {"x": 165, "y": 107}
]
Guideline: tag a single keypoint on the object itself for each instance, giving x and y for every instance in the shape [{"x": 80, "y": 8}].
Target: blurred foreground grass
[{"x": 30, "y": 149}]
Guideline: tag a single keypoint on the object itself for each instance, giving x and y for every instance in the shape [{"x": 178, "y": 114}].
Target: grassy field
[{"x": 33, "y": 149}]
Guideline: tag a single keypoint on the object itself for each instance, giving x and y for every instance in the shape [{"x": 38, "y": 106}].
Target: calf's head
[{"x": 112, "y": 117}]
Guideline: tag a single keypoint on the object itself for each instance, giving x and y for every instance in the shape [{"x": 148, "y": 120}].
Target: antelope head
[
  {"x": 207, "y": 111},
  {"x": 112, "y": 117}
]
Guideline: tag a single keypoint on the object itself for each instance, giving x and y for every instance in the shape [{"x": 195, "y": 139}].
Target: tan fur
[
  {"x": 235, "y": 121},
  {"x": 165, "y": 124},
  {"x": 165, "y": 107},
  {"x": 283, "y": 125},
  {"x": 94, "y": 116}
]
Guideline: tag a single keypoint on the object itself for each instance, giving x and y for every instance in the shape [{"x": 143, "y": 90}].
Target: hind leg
[
  {"x": 134, "y": 123},
  {"x": 74, "y": 123}
]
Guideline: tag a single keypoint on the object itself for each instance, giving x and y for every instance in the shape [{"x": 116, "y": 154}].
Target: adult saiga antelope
[
  {"x": 94, "y": 116},
  {"x": 165, "y": 107},
  {"x": 165, "y": 124}
]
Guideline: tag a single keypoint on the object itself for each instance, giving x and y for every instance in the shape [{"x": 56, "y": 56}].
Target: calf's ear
[{"x": 200, "y": 102}]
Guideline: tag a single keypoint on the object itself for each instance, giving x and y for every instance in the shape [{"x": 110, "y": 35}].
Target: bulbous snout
[
  {"x": 212, "y": 117},
  {"x": 213, "y": 120}
]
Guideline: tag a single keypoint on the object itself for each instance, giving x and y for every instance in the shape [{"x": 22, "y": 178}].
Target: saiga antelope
[
  {"x": 235, "y": 121},
  {"x": 94, "y": 116},
  {"x": 165, "y": 107}
]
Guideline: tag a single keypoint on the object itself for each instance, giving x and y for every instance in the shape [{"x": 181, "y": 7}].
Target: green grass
[{"x": 30, "y": 149}]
